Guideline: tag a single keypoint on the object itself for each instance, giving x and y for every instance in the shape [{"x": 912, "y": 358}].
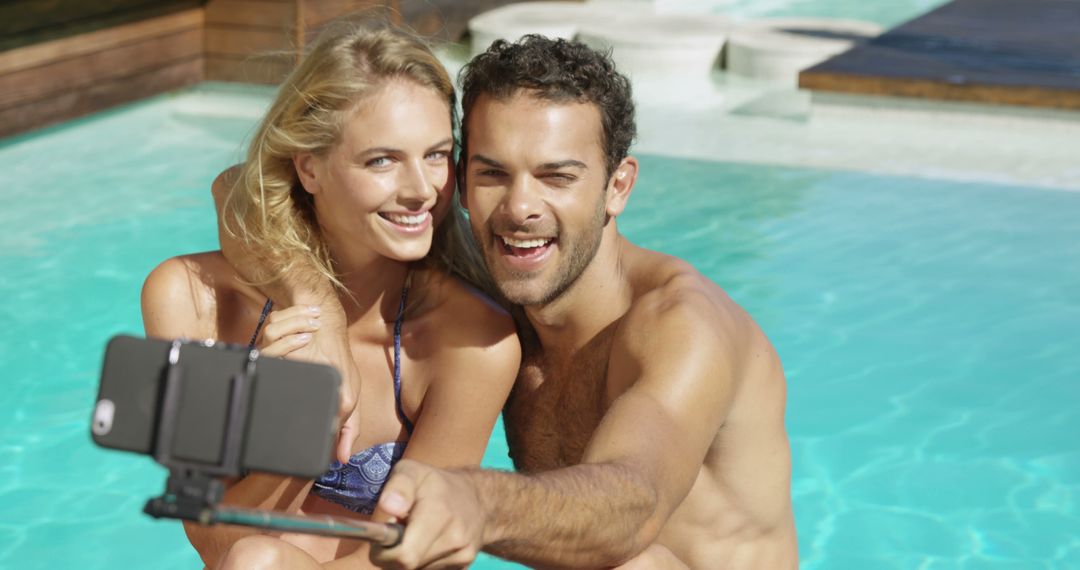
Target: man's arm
[
  {"x": 304, "y": 286},
  {"x": 676, "y": 360}
]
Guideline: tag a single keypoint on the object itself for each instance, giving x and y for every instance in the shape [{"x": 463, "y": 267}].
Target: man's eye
[
  {"x": 560, "y": 178},
  {"x": 489, "y": 173}
]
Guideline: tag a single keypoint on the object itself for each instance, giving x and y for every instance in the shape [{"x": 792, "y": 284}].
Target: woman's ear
[
  {"x": 306, "y": 168},
  {"x": 620, "y": 185}
]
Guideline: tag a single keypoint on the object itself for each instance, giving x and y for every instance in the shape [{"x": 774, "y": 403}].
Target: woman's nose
[{"x": 421, "y": 182}]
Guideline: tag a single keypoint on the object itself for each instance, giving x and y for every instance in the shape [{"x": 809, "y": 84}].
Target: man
[{"x": 647, "y": 421}]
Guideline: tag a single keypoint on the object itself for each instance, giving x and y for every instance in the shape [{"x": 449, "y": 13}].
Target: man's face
[{"x": 535, "y": 188}]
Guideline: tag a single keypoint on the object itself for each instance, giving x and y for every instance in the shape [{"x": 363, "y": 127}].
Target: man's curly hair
[{"x": 559, "y": 71}]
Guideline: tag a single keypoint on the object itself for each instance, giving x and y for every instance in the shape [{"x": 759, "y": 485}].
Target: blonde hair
[{"x": 268, "y": 209}]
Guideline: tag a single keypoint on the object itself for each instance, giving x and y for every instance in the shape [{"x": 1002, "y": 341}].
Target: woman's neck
[{"x": 373, "y": 283}]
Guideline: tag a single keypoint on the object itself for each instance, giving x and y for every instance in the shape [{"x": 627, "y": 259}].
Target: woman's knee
[
  {"x": 256, "y": 552},
  {"x": 655, "y": 557}
]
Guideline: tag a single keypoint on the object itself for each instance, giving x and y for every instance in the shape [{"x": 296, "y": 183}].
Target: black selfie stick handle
[
  {"x": 387, "y": 535},
  {"x": 170, "y": 506},
  {"x": 194, "y": 491}
]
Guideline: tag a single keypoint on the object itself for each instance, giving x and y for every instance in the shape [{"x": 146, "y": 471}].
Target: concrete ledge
[
  {"x": 778, "y": 49},
  {"x": 645, "y": 43},
  {"x": 551, "y": 19},
  {"x": 641, "y": 39}
]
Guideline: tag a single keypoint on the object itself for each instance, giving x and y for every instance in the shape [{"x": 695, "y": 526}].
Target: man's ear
[
  {"x": 305, "y": 164},
  {"x": 620, "y": 185}
]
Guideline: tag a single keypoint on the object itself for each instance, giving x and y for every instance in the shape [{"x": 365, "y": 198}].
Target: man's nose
[{"x": 522, "y": 202}]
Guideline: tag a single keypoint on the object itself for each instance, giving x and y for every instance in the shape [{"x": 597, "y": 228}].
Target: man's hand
[{"x": 443, "y": 514}]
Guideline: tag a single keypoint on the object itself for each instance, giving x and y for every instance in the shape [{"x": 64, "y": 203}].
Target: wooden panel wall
[
  {"x": 256, "y": 41},
  {"x": 65, "y": 78},
  {"x": 250, "y": 41},
  {"x": 61, "y": 59},
  {"x": 25, "y": 22}
]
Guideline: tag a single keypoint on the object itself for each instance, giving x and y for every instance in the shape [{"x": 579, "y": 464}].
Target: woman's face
[{"x": 383, "y": 188}]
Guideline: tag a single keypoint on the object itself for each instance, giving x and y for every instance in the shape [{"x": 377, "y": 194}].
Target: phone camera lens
[{"x": 103, "y": 417}]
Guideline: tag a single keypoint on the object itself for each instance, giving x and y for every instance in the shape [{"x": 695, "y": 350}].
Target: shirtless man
[{"x": 647, "y": 421}]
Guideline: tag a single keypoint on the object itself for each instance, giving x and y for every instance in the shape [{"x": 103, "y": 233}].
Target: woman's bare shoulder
[
  {"x": 180, "y": 296},
  {"x": 469, "y": 312},
  {"x": 469, "y": 332}
]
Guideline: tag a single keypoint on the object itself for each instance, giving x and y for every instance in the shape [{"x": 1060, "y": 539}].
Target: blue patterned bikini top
[{"x": 356, "y": 485}]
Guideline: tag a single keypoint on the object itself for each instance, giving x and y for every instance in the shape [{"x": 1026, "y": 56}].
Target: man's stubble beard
[{"x": 577, "y": 259}]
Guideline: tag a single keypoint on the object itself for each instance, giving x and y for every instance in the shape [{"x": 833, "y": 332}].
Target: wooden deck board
[{"x": 1022, "y": 52}]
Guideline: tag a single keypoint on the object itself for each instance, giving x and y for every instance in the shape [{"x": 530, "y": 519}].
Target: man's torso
[{"x": 738, "y": 512}]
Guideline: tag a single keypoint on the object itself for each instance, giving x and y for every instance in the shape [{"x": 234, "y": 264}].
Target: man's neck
[{"x": 600, "y": 295}]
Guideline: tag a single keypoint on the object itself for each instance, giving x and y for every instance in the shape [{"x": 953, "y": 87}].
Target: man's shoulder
[
  {"x": 683, "y": 328},
  {"x": 676, "y": 307},
  {"x": 670, "y": 289}
]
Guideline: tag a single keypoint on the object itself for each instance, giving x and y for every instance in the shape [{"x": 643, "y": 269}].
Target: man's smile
[{"x": 525, "y": 253}]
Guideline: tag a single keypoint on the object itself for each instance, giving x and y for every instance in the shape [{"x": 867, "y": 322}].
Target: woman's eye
[
  {"x": 378, "y": 162},
  {"x": 438, "y": 155}
]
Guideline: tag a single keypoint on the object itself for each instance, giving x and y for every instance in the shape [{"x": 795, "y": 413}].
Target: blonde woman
[{"x": 351, "y": 173}]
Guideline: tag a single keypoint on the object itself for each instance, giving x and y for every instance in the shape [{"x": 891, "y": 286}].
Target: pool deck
[{"x": 1013, "y": 52}]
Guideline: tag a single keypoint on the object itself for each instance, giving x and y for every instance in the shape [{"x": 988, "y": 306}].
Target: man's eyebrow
[
  {"x": 569, "y": 163},
  {"x": 488, "y": 161}
]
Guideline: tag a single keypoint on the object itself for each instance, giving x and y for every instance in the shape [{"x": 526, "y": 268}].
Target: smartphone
[{"x": 291, "y": 406}]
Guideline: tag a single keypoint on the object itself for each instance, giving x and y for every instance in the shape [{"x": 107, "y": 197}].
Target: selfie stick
[
  {"x": 385, "y": 534},
  {"x": 194, "y": 490}
]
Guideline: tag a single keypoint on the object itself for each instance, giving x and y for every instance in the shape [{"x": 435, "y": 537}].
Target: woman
[{"x": 350, "y": 174}]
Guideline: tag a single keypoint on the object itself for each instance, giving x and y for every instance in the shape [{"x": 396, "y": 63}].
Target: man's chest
[{"x": 554, "y": 410}]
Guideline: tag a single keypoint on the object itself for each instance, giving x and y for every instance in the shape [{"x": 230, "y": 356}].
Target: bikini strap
[
  {"x": 262, "y": 319},
  {"x": 397, "y": 355},
  {"x": 269, "y": 305}
]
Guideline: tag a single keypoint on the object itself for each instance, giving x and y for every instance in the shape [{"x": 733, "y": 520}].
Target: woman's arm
[
  {"x": 173, "y": 303},
  {"x": 302, "y": 286},
  {"x": 176, "y": 304},
  {"x": 476, "y": 362}
]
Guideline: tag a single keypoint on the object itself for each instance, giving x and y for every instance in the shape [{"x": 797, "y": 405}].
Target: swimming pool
[
  {"x": 929, "y": 330},
  {"x": 885, "y": 13}
]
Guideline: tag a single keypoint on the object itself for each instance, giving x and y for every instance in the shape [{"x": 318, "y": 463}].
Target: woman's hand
[
  {"x": 289, "y": 330},
  {"x": 293, "y": 335}
]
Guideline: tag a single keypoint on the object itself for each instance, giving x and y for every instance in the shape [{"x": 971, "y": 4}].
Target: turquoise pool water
[
  {"x": 884, "y": 12},
  {"x": 930, "y": 332}
]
